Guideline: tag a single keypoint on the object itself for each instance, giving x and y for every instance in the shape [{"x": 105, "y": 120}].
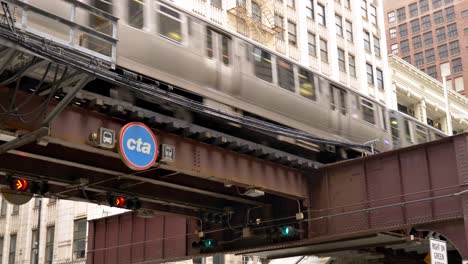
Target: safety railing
[{"x": 71, "y": 23}]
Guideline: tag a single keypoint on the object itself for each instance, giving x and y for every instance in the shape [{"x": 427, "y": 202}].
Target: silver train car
[{"x": 233, "y": 73}]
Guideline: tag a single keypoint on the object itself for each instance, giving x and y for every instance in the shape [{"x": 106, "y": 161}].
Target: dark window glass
[
  {"x": 430, "y": 56},
  {"x": 310, "y": 9},
  {"x": 1, "y": 249},
  {"x": 415, "y": 28},
  {"x": 306, "y": 84},
  {"x": 285, "y": 74},
  {"x": 209, "y": 43},
  {"x": 454, "y": 48},
  {"x": 426, "y": 22},
  {"x": 417, "y": 42},
  {"x": 403, "y": 30},
  {"x": 341, "y": 60},
  {"x": 452, "y": 30},
  {"x": 256, "y": 11},
  {"x": 135, "y": 13},
  {"x": 413, "y": 9},
  {"x": 3, "y": 209},
  {"x": 436, "y": 3},
  {"x": 321, "y": 15},
  {"x": 12, "y": 251},
  {"x": 440, "y": 33},
  {"x": 404, "y": 45},
  {"x": 438, "y": 17},
  {"x": 225, "y": 49},
  {"x": 367, "y": 46},
  {"x": 312, "y": 44},
  {"x": 428, "y": 38},
  {"x": 450, "y": 13},
  {"x": 418, "y": 59},
  {"x": 34, "y": 246},
  {"x": 15, "y": 209},
  {"x": 401, "y": 14},
  {"x": 170, "y": 25},
  {"x": 443, "y": 52},
  {"x": 395, "y": 129},
  {"x": 49, "y": 252},
  {"x": 262, "y": 64},
  {"x": 376, "y": 46},
  {"x": 407, "y": 59},
  {"x": 323, "y": 50},
  {"x": 421, "y": 134},
  {"x": 370, "y": 74},
  {"x": 424, "y": 6},
  {"x": 407, "y": 131},
  {"x": 292, "y": 36},
  {"x": 352, "y": 65},
  {"x": 367, "y": 111},
  {"x": 380, "y": 78},
  {"x": 79, "y": 238},
  {"x": 432, "y": 71},
  {"x": 339, "y": 25},
  {"x": 457, "y": 66}
]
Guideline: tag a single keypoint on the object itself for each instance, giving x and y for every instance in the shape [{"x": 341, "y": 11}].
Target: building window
[
  {"x": 292, "y": 39},
  {"x": 323, "y": 50},
  {"x": 391, "y": 16},
  {"x": 430, "y": 56},
  {"x": 415, "y": 28},
  {"x": 347, "y": 4},
  {"x": 457, "y": 66},
  {"x": 1, "y": 249},
  {"x": 321, "y": 15},
  {"x": 135, "y": 13},
  {"x": 404, "y": 45},
  {"x": 339, "y": 25},
  {"x": 262, "y": 64},
  {"x": 349, "y": 31},
  {"x": 373, "y": 15},
  {"x": 392, "y": 32},
  {"x": 432, "y": 71},
  {"x": 443, "y": 52},
  {"x": 426, "y": 22},
  {"x": 403, "y": 30},
  {"x": 407, "y": 59},
  {"x": 285, "y": 74},
  {"x": 367, "y": 46},
  {"x": 3, "y": 209},
  {"x": 448, "y": 2},
  {"x": 312, "y": 44},
  {"x": 394, "y": 48},
  {"x": 450, "y": 13},
  {"x": 256, "y": 11},
  {"x": 440, "y": 33},
  {"x": 34, "y": 246},
  {"x": 464, "y": 13},
  {"x": 170, "y": 24},
  {"x": 15, "y": 210},
  {"x": 306, "y": 84},
  {"x": 418, "y": 59},
  {"x": 376, "y": 46},
  {"x": 436, "y": 4},
  {"x": 352, "y": 65},
  {"x": 279, "y": 23},
  {"x": 215, "y": 3},
  {"x": 370, "y": 74},
  {"x": 452, "y": 30},
  {"x": 424, "y": 6},
  {"x": 79, "y": 238},
  {"x": 380, "y": 81},
  {"x": 454, "y": 48},
  {"x": 310, "y": 9},
  {"x": 49, "y": 251},
  {"x": 438, "y": 17},
  {"x": 291, "y": 3},
  {"x": 417, "y": 42},
  {"x": 364, "y": 8},
  {"x": 428, "y": 39},
  {"x": 12, "y": 251},
  {"x": 401, "y": 14},
  {"x": 413, "y": 9},
  {"x": 341, "y": 60}
]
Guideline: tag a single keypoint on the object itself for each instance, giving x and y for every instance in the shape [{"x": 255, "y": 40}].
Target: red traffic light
[
  {"x": 20, "y": 185},
  {"x": 119, "y": 201}
]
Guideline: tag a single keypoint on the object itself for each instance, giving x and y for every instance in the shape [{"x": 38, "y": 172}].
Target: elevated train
[{"x": 231, "y": 72}]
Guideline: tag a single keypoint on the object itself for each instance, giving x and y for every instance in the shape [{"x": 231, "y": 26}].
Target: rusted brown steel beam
[{"x": 73, "y": 126}]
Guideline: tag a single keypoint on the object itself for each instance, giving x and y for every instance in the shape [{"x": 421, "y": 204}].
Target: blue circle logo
[{"x": 138, "y": 146}]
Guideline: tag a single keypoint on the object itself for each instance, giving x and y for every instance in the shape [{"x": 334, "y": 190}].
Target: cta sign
[
  {"x": 138, "y": 146},
  {"x": 438, "y": 251}
]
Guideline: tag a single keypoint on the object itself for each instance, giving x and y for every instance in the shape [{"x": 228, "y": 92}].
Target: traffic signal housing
[
  {"x": 285, "y": 233},
  {"x": 124, "y": 202},
  {"x": 23, "y": 185},
  {"x": 205, "y": 244}
]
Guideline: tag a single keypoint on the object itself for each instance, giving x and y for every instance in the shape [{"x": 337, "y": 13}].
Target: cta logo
[{"x": 138, "y": 146}]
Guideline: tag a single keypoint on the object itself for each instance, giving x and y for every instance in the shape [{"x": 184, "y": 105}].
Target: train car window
[
  {"x": 306, "y": 84},
  {"x": 421, "y": 134},
  {"x": 99, "y": 23},
  {"x": 332, "y": 99},
  {"x": 135, "y": 13},
  {"x": 394, "y": 128},
  {"x": 209, "y": 43},
  {"x": 407, "y": 131},
  {"x": 170, "y": 24},
  {"x": 225, "y": 49},
  {"x": 368, "y": 111},
  {"x": 343, "y": 102},
  {"x": 384, "y": 119},
  {"x": 285, "y": 74},
  {"x": 262, "y": 64}
]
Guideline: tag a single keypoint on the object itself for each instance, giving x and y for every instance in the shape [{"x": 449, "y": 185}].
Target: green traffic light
[
  {"x": 208, "y": 243},
  {"x": 286, "y": 230}
]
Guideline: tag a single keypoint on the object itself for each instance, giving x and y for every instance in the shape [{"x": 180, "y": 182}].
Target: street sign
[
  {"x": 438, "y": 251},
  {"x": 138, "y": 147},
  {"x": 106, "y": 138}
]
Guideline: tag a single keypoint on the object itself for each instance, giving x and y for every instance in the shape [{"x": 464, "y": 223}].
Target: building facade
[
  {"x": 62, "y": 233},
  {"x": 432, "y": 35},
  {"x": 325, "y": 36}
]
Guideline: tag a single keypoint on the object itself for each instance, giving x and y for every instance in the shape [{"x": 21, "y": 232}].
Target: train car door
[
  {"x": 338, "y": 114},
  {"x": 223, "y": 53}
]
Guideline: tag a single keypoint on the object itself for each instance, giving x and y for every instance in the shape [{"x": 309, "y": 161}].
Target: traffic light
[
  {"x": 205, "y": 244},
  {"x": 23, "y": 185},
  {"x": 124, "y": 202},
  {"x": 285, "y": 233}
]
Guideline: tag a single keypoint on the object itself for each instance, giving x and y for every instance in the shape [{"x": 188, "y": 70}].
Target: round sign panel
[{"x": 138, "y": 146}]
